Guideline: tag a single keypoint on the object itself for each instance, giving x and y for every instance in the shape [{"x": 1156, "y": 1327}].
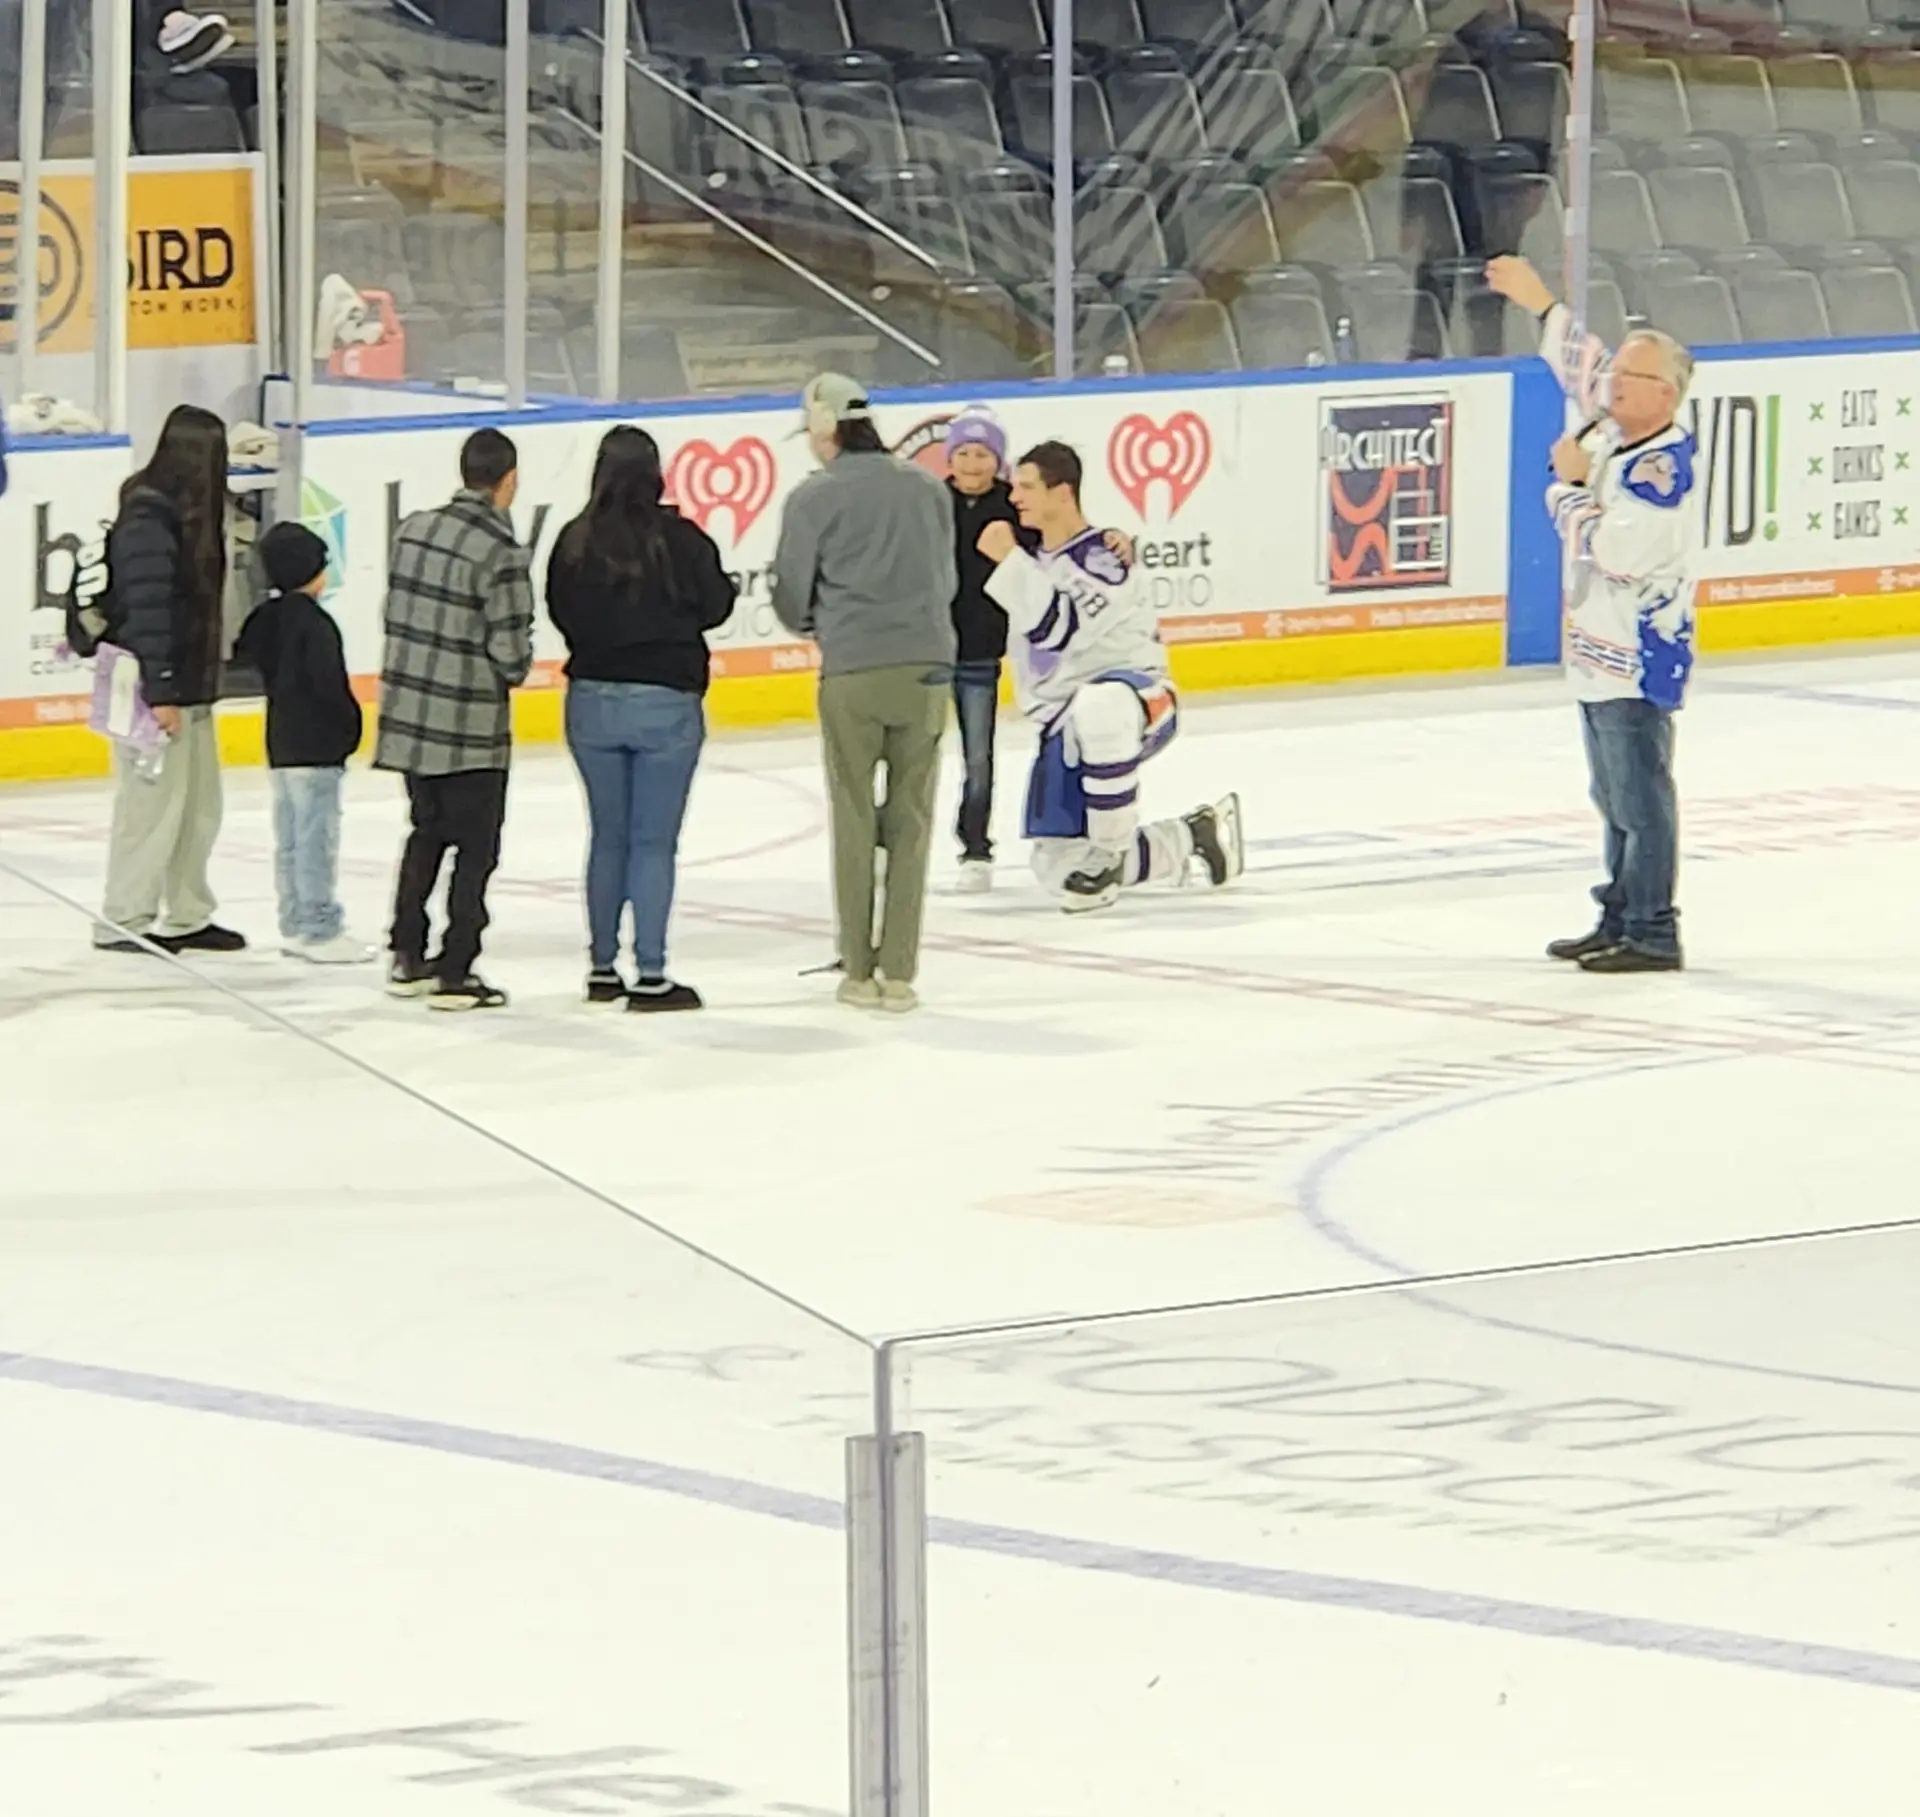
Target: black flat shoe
[
  {"x": 1581, "y": 946},
  {"x": 659, "y": 995},
  {"x": 1625, "y": 958},
  {"x": 209, "y": 939},
  {"x": 606, "y": 986}
]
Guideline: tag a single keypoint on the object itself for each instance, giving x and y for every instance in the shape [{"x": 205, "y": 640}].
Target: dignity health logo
[
  {"x": 704, "y": 480},
  {"x": 326, "y": 517}
]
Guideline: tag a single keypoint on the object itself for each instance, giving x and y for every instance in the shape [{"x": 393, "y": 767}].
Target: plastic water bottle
[
  {"x": 1343, "y": 347},
  {"x": 150, "y": 760}
]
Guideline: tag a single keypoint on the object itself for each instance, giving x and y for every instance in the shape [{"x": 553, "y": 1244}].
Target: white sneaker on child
[
  {"x": 976, "y": 876},
  {"x": 342, "y": 949}
]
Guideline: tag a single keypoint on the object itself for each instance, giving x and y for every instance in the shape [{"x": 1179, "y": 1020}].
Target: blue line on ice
[{"x": 1672, "y": 1640}]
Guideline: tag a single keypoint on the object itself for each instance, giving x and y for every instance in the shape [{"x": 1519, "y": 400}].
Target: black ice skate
[
  {"x": 1096, "y": 887},
  {"x": 1217, "y": 840}
]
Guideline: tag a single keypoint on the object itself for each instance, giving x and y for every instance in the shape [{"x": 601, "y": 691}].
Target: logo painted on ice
[
  {"x": 704, "y": 480},
  {"x": 1175, "y": 454}
]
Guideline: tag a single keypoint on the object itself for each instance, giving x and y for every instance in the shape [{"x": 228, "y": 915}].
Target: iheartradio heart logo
[
  {"x": 704, "y": 479},
  {"x": 1175, "y": 454}
]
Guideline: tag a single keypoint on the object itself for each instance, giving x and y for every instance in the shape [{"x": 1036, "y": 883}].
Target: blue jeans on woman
[
  {"x": 637, "y": 747},
  {"x": 1630, "y": 760},
  {"x": 976, "y": 700}
]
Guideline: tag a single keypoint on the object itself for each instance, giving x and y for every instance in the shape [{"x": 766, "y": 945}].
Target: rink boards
[{"x": 1294, "y": 527}]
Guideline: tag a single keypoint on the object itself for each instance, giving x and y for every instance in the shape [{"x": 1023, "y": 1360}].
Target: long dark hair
[
  {"x": 624, "y": 527},
  {"x": 188, "y": 468}
]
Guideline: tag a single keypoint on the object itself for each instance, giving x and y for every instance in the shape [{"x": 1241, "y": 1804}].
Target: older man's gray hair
[{"x": 1676, "y": 361}]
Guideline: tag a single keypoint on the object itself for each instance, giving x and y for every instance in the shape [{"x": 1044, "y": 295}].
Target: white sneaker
[
  {"x": 976, "y": 876},
  {"x": 898, "y": 999},
  {"x": 859, "y": 993},
  {"x": 342, "y": 949}
]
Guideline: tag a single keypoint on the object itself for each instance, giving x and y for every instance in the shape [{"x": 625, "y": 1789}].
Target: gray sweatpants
[{"x": 163, "y": 834}]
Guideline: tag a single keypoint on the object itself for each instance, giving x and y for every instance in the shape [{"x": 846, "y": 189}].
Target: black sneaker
[
  {"x": 119, "y": 943},
  {"x": 471, "y": 992},
  {"x": 1583, "y": 947},
  {"x": 1624, "y": 958},
  {"x": 1217, "y": 840},
  {"x": 209, "y": 939},
  {"x": 605, "y": 985},
  {"x": 661, "y": 994},
  {"x": 1087, "y": 890},
  {"x": 410, "y": 978}
]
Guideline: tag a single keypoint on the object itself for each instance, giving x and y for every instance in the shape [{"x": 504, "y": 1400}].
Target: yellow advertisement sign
[{"x": 189, "y": 257}]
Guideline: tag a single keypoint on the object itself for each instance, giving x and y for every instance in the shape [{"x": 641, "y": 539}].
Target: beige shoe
[
  {"x": 898, "y": 998},
  {"x": 859, "y": 993}
]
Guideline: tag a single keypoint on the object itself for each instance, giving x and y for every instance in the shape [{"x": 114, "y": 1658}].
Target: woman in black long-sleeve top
[
  {"x": 167, "y": 557},
  {"x": 634, "y": 588}
]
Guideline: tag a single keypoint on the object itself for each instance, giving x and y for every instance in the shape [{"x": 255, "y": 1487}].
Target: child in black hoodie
[{"x": 313, "y": 727}]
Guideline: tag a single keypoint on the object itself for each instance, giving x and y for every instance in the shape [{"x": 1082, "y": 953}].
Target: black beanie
[{"x": 291, "y": 555}]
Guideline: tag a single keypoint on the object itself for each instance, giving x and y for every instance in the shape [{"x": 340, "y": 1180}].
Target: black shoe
[
  {"x": 120, "y": 943},
  {"x": 661, "y": 994},
  {"x": 1625, "y": 958},
  {"x": 410, "y": 978},
  {"x": 470, "y": 992},
  {"x": 605, "y": 985},
  {"x": 1576, "y": 950},
  {"x": 210, "y": 939}
]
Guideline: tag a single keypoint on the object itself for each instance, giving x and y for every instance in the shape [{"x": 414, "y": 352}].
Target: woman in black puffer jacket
[{"x": 167, "y": 558}]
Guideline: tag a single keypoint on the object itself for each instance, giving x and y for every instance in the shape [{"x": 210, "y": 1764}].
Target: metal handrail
[
  {"x": 773, "y": 154},
  {"x": 852, "y": 304}
]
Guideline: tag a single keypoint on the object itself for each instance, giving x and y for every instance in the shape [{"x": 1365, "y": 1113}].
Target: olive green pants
[{"x": 876, "y": 720}]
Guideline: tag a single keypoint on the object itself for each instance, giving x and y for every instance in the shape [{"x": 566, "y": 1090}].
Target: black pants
[
  {"x": 976, "y": 700},
  {"x": 462, "y": 814}
]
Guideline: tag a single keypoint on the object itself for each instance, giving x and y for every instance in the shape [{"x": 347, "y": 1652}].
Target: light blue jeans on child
[{"x": 306, "y": 835}]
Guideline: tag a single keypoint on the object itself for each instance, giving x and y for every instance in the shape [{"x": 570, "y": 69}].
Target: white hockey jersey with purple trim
[
  {"x": 1074, "y": 614},
  {"x": 1631, "y": 535}
]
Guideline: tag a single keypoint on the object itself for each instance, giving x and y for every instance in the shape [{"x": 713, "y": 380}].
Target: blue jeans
[
  {"x": 976, "y": 700},
  {"x": 1630, "y": 759},
  {"x": 636, "y": 747},
  {"x": 306, "y": 852}
]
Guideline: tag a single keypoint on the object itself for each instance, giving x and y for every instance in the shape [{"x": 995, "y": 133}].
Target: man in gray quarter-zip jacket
[{"x": 865, "y": 568}]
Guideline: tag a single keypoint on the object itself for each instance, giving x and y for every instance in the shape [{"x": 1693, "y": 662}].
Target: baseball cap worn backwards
[{"x": 832, "y": 399}]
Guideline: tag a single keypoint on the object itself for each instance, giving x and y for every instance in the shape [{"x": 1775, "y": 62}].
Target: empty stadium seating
[{"x": 1256, "y": 182}]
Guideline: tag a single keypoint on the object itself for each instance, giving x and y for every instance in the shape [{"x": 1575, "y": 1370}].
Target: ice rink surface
[{"x": 365, "y": 1449}]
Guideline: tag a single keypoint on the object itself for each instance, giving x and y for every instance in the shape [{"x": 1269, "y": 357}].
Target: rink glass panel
[
  {"x": 1640, "y": 1534},
  {"x": 65, "y": 251},
  {"x": 403, "y": 1456}
]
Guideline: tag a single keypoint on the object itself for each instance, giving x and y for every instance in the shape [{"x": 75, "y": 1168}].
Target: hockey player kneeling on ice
[{"x": 1089, "y": 670}]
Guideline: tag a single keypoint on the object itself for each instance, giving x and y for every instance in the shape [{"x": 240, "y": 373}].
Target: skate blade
[{"x": 1226, "y": 816}]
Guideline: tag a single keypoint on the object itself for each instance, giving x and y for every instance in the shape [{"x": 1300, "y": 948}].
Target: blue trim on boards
[
  {"x": 1803, "y": 350},
  {"x": 1533, "y": 545},
  {"x": 64, "y": 444}
]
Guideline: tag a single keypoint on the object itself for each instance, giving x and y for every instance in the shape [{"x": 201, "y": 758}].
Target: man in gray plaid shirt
[{"x": 459, "y": 640}]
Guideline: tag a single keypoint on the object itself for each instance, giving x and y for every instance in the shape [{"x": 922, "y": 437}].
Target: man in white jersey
[
  {"x": 1090, "y": 671},
  {"x": 1623, "y": 500}
]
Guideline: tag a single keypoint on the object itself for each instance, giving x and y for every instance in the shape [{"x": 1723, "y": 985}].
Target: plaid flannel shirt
[{"x": 459, "y": 638}]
